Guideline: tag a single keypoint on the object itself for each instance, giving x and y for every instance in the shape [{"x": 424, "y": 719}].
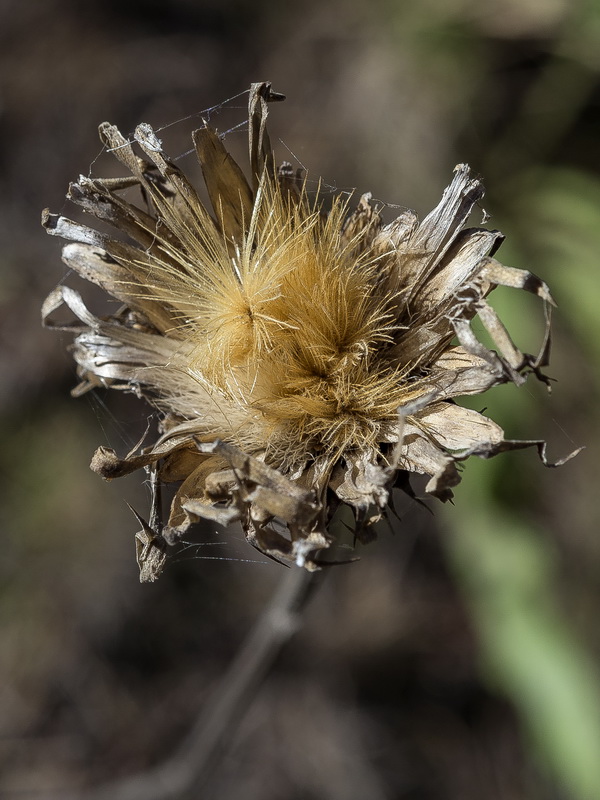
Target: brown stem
[{"x": 188, "y": 769}]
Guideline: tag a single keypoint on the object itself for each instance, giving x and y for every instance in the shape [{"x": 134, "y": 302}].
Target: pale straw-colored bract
[{"x": 299, "y": 357}]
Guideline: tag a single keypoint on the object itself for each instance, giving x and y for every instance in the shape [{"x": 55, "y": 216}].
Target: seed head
[{"x": 299, "y": 356}]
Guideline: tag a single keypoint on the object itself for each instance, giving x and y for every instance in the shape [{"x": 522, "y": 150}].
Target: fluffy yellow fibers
[{"x": 290, "y": 325}]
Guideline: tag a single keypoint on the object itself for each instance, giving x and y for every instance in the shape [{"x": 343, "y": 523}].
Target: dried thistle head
[{"x": 299, "y": 358}]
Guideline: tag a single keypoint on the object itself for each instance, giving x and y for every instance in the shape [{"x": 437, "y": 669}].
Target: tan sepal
[
  {"x": 150, "y": 551},
  {"x": 458, "y": 372},
  {"x": 440, "y": 226},
  {"x": 137, "y": 263},
  {"x": 360, "y": 483},
  {"x": 261, "y": 493},
  {"x": 420, "y": 254},
  {"x": 298, "y": 552},
  {"x": 422, "y": 455},
  {"x": 179, "y": 464},
  {"x": 362, "y": 226},
  {"x": 460, "y": 266},
  {"x": 188, "y": 208},
  {"x": 106, "y": 463},
  {"x": 453, "y": 427},
  {"x": 422, "y": 343},
  {"x": 192, "y": 489},
  {"x": 489, "y": 451},
  {"x": 147, "y": 139},
  {"x": 63, "y": 295},
  {"x": 229, "y": 193},
  {"x": 501, "y": 337},
  {"x": 266, "y": 487},
  {"x": 469, "y": 341},
  {"x": 261, "y": 154},
  {"x": 122, "y": 150},
  {"x": 95, "y": 198},
  {"x": 197, "y": 509},
  {"x": 95, "y": 265},
  {"x": 430, "y": 434},
  {"x": 497, "y": 273},
  {"x": 109, "y": 349}
]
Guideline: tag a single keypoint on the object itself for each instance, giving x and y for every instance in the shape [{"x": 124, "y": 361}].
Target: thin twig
[{"x": 188, "y": 769}]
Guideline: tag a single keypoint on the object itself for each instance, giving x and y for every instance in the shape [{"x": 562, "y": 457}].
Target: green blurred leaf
[
  {"x": 528, "y": 651},
  {"x": 562, "y": 212}
]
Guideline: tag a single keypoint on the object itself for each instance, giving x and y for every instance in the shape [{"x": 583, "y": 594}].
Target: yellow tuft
[{"x": 287, "y": 323}]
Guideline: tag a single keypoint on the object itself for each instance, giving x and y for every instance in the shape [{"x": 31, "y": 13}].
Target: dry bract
[{"x": 299, "y": 357}]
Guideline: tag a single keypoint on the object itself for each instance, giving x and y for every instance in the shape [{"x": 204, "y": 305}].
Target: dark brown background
[{"x": 397, "y": 687}]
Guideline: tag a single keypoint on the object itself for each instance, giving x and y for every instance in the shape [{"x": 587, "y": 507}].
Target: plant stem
[{"x": 187, "y": 770}]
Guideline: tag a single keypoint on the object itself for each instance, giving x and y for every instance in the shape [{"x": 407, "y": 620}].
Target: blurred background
[{"x": 458, "y": 659}]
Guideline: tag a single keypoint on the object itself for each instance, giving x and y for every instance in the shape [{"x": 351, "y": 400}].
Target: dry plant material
[{"x": 299, "y": 358}]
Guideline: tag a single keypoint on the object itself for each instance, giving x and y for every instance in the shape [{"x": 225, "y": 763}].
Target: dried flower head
[{"x": 299, "y": 358}]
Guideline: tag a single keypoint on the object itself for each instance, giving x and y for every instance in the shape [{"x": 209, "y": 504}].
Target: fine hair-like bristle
[{"x": 289, "y": 326}]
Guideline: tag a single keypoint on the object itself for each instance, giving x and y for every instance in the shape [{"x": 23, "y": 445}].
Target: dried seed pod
[{"x": 299, "y": 359}]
